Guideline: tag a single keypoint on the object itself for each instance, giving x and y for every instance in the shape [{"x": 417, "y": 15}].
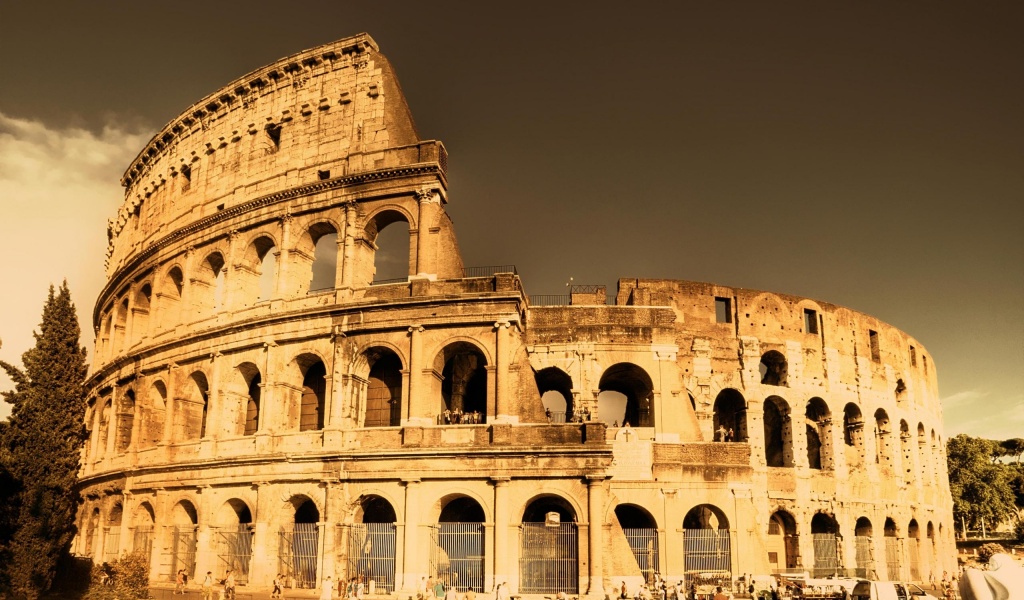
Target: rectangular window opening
[
  {"x": 810, "y": 321},
  {"x": 274, "y": 132},
  {"x": 913, "y": 356},
  {"x": 723, "y": 310},
  {"x": 323, "y": 175},
  {"x": 876, "y": 354}
]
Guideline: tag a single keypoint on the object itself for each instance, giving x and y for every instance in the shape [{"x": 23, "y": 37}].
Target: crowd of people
[{"x": 457, "y": 417}]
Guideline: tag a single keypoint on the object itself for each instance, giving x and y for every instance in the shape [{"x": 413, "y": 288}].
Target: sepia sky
[{"x": 863, "y": 154}]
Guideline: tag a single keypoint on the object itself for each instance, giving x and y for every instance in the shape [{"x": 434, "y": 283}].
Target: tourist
[
  {"x": 439, "y": 589},
  {"x": 327, "y": 591},
  {"x": 208, "y": 586},
  {"x": 470, "y": 595},
  {"x": 277, "y": 592},
  {"x": 623, "y": 594},
  {"x": 360, "y": 588},
  {"x": 229, "y": 585},
  {"x": 451, "y": 594},
  {"x": 179, "y": 582},
  {"x": 720, "y": 595}
]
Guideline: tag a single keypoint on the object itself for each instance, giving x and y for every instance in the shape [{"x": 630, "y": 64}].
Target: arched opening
[
  {"x": 233, "y": 536},
  {"x": 92, "y": 530},
  {"x": 104, "y": 343},
  {"x": 893, "y": 551},
  {"x": 253, "y": 381},
  {"x": 783, "y": 544},
  {"x": 388, "y": 235},
  {"x": 773, "y": 368},
  {"x": 463, "y": 384},
  {"x": 914, "y": 547},
  {"x": 730, "y": 415},
  {"x": 819, "y": 434},
  {"x": 322, "y": 239},
  {"x": 853, "y": 435},
  {"x": 184, "y": 537},
  {"x": 207, "y": 288},
  {"x": 170, "y": 298},
  {"x": 634, "y": 385},
  {"x": 112, "y": 533},
  {"x": 907, "y": 449},
  {"x": 883, "y": 440},
  {"x": 191, "y": 408},
  {"x": 267, "y": 260},
  {"x": 119, "y": 343},
  {"x": 125, "y": 422},
  {"x": 299, "y": 548},
  {"x": 154, "y": 412},
  {"x": 900, "y": 391},
  {"x": 104, "y": 429},
  {"x": 314, "y": 395},
  {"x": 863, "y": 547},
  {"x": 923, "y": 460},
  {"x": 457, "y": 544},
  {"x": 641, "y": 532},
  {"x": 707, "y": 554},
  {"x": 141, "y": 530},
  {"x": 140, "y": 313},
  {"x": 932, "y": 551},
  {"x": 371, "y": 543},
  {"x": 778, "y": 433},
  {"x": 825, "y": 541},
  {"x": 555, "y": 388},
  {"x": 383, "y": 389},
  {"x": 936, "y": 459},
  {"x": 549, "y": 540}
]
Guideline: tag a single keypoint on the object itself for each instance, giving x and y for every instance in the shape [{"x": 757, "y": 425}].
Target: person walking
[
  {"x": 229, "y": 585},
  {"x": 179, "y": 582},
  {"x": 327, "y": 589},
  {"x": 208, "y": 586}
]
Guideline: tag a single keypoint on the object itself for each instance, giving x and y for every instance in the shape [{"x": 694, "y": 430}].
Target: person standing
[
  {"x": 439, "y": 590},
  {"x": 179, "y": 582},
  {"x": 470, "y": 594},
  {"x": 208, "y": 586},
  {"x": 277, "y": 592},
  {"x": 229, "y": 585},
  {"x": 327, "y": 589}
]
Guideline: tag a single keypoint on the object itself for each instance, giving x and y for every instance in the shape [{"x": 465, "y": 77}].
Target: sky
[{"x": 866, "y": 154}]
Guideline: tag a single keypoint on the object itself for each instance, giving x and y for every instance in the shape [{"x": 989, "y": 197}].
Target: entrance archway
[
  {"x": 548, "y": 548},
  {"x": 825, "y": 540},
  {"x": 457, "y": 544},
  {"x": 783, "y": 546},
  {"x": 707, "y": 546},
  {"x": 641, "y": 532},
  {"x": 372, "y": 542},
  {"x": 299, "y": 544}
]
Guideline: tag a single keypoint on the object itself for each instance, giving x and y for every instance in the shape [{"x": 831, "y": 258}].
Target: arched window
[
  {"x": 730, "y": 415},
  {"x": 154, "y": 413},
  {"x": 641, "y": 532},
  {"x": 373, "y": 539},
  {"x": 914, "y": 550},
  {"x": 268, "y": 270},
  {"x": 555, "y": 388},
  {"x": 893, "y": 552},
  {"x": 184, "y": 538},
  {"x": 233, "y": 537},
  {"x": 120, "y": 326},
  {"x": 548, "y": 536},
  {"x": 125, "y": 422},
  {"x": 112, "y": 533},
  {"x": 883, "y": 440},
  {"x": 629, "y": 385},
  {"x": 458, "y": 557},
  {"x": 706, "y": 540},
  {"x": 253, "y": 381},
  {"x": 819, "y": 434},
  {"x": 190, "y": 410},
  {"x": 384, "y": 389},
  {"x": 773, "y": 368},
  {"x": 783, "y": 546},
  {"x": 141, "y": 529},
  {"x": 825, "y": 541},
  {"x": 104, "y": 432},
  {"x": 140, "y": 313},
  {"x": 299, "y": 555},
  {"x": 463, "y": 384},
  {"x": 169, "y": 299},
  {"x": 322, "y": 241},
  {"x": 853, "y": 435},
  {"x": 863, "y": 547},
  {"x": 314, "y": 394},
  {"x": 385, "y": 249},
  {"x": 207, "y": 288},
  {"x": 778, "y": 433}
]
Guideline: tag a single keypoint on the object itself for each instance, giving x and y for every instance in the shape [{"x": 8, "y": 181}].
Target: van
[{"x": 888, "y": 590}]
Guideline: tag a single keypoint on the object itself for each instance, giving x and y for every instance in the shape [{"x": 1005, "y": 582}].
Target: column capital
[
  {"x": 500, "y": 481},
  {"x": 410, "y": 481},
  {"x": 596, "y": 478}
]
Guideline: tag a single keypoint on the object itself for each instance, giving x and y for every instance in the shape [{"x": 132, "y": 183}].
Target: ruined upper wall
[{"x": 327, "y": 112}]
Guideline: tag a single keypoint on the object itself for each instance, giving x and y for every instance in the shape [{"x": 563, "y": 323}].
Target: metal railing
[
  {"x": 457, "y": 554},
  {"x": 893, "y": 562},
  {"x": 488, "y": 271},
  {"x": 142, "y": 540},
  {"x": 826, "y": 554},
  {"x": 550, "y": 299},
  {"x": 371, "y": 554},
  {"x": 864, "y": 555},
  {"x": 297, "y": 554},
  {"x": 183, "y": 551},
  {"x": 707, "y": 551},
  {"x": 111, "y": 542},
  {"x": 547, "y": 558},
  {"x": 643, "y": 541},
  {"x": 234, "y": 552}
]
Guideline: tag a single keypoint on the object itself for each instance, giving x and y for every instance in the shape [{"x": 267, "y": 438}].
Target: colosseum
[{"x": 263, "y": 400}]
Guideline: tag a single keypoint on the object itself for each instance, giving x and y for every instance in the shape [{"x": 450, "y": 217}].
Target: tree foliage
[
  {"x": 40, "y": 449},
  {"x": 127, "y": 578},
  {"x": 982, "y": 488}
]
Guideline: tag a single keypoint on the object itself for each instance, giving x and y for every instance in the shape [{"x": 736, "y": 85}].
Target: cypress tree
[{"x": 41, "y": 448}]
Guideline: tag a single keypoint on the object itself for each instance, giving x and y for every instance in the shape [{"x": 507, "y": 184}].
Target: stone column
[
  {"x": 429, "y": 204},
  {"x": 264, "y": 560},
  {"x": 414, "y": 565},
  {"x": 349, "y": 245},
  {"x": 502, "y": 568},
  {"x": 281, "y": 287},
  {"x": 161, "y": 534},
  {"x": 595, "y": 515},
  {"x": 112, "y": 424},
  {"x": 169, "y": 405},
  {"x": 126, "y": 519},
  {"x": 206, "y": 558},
  {"x": 419, "y": 407}
]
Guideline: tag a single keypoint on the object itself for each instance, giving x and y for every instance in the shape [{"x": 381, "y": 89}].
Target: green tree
[
  {"x": 41, "y": 447},
  {"x": 1013, "y": 447},
  {"x": 980, "y": 489}
]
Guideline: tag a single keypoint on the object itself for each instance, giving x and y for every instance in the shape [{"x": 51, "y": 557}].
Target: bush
[
  {"x": 986, "y": 551},
  {"x": 1018, "y": 529},
  {"x": 124, "y": 579}
]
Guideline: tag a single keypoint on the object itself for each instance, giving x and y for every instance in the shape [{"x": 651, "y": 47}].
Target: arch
[
  {"x": 119, "y": 342},
  {"x": 153, "y": 414},
  {"x": 641, "y": 532},
  {"x": 125, "y": 421},
  {"x": 321, "y": 242},
  {"x": 463, "y": 369},
  {"x": 778, "y": 432},
  {"x": 555, "y": 388},
  {"x": 864, "y": 547},
  {"x": 853, "y": 435},
  {"x": 92, "y": 530},
  {"x": 232, "y": 539},
  {"x": 191, "y": 408},
  {"x": 914, "y": 550},
  {"x": 773, "y": 368},
  {"x": 783, "y": 546},
  {"x": 383, "y": 388},
  {"x": 824, "y": 523},
  {"x": 140, "y": 313},
  {"x": 819, "y": 438},
  {"x": 232, "y": 513},
  {"x": 104, "y": 427},
  {"x": 825, "y": 541},
  {"x": 300, "y": 555},
  {"x": 705, "y": 516},
  {"x": 313, "y": 402},
  {"x": 635, "y": 385},
  {"x": 893, "y": 550},
  {"x": 907, "y": 450},
  {"x": 388, "y": 245},
  {"x": 253, "y": 382},
  {"x": 924, "y": 458},
  {"x": 730, "y": 413},
  {"x": 883, "y": 439},
  {"x": 208, "y": 285},
  {"x": 707, "y": 541},
  {"x": 169, "y": 295},
  {"x": 375, "y": 509},
  {"x": 547, "y": 540}
]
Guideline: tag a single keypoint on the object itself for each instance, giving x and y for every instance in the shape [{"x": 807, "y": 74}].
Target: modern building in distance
[{"x": 261, "y": 401}]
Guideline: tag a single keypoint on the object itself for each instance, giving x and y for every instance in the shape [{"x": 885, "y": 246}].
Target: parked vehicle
[{"x": 888, "y": 590}]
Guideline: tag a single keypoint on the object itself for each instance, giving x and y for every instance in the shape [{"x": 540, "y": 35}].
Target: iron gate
[
  {"x": 826, "y": 554},
  {"x": 183, "y": 551},
  {"x": 892, "y": 558},
  {"x": 457, "y": 554},
  {"x": 297, "y": 553},
  {"x": 371, "y": 553},
  {"x": 644, "y": 543},
  {"x": 915, "y": 560},
  {"x": 234, "y": 552},
  {"x": 142, "y": 540},
  {"x": 864, "y": 555},
  {"x": 707, "y": 551},
  {"x": 111, "y": 542},
  {"x": 548, "y": 562}
]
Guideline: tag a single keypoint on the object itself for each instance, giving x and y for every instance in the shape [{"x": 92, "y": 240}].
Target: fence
[
  {"x": 915, "y": 559},
  {"x": 183, "y": 551},
  {"x": 457, "y": 554},
  {"x": 644, "y": 544},
  {"x": 371, "y": 553},
  {"x": 892, "y": 559},
  {"x": 547, "y": 558},
  {"x": 111, "y": 542},
  {"x": 489, "y": 271},
  {"x": 707, "y": 551},
  {"x": 864, "y": 558},
  {"x": 826, "y": 554},
  {"x": 234, "y": 552},
  {"x": 142, "y": 540},
  {"x": 297, "y": 553}
]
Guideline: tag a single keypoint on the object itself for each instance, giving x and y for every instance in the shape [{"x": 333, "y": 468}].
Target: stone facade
[{"x": 259, "y": 402}]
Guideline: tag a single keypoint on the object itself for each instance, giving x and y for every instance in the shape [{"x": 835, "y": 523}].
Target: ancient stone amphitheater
[{"x": 262, "y": 399}]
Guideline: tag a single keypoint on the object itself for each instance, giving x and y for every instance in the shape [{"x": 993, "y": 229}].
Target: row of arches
[
  {"x": 625, "y": 396},
  {"x": 730, "y": 415},
  {"x": 246, "y": 269}
]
